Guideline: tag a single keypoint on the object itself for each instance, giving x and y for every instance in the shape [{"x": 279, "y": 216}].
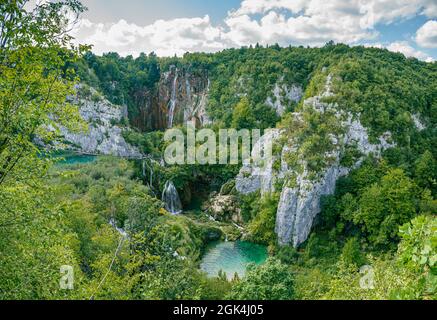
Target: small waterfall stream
[
  {"x": 121, "y": 231},
  {"x": 172, "y": 107},
  {"x": 171, "y": 199},
  {"x": 150, "y": 168}
]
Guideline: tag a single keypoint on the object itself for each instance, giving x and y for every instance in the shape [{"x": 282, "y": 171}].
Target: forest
[{"x": 106, "y": 217}]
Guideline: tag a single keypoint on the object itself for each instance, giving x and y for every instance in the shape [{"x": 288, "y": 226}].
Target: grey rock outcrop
[
  {"x": 258, "y": 176},
  {"x": 298, "y": 206},
  {"x": 417, "y": 122},
  {"x": 283, "y": 94},
  {"x": 104, "y": 135},
  {"x": 224, "y": 208},
  {"x": 299, "y": 201}
]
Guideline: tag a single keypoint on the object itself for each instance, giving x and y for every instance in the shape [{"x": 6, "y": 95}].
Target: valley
[{"x": 339, "y": 187}]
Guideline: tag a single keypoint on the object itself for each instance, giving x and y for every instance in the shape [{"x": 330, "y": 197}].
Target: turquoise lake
[
  {"x": 73, "y": 158},
  {"x": 231, "y": 257}
]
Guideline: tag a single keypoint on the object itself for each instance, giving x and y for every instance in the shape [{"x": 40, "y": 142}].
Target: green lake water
[
  {"x": 72, "y": 158},
  {"x": 231, "y": 257}
]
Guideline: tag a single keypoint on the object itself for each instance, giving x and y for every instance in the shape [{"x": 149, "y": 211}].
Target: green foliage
[
  {"x": 287, "y": 254},
  {"x": 389, "y": 282},
  {"x": 418, "y": 247},
  {"x": 149, "y": 143},
  {"x": 409, "y": 274},
  {"x": 351, "y": 253},
  {"x": 271, "y": 280},
  {"x": 385, "y": 89},
  {"x": 34, "y": 245},
  {"x": 312, "y": 133},
  {"x": 34, "y": 82},
  {"x": 261, "y": 227},
  {"x": 383, "y": 207},
  {"x": 242, "y": 117},
  {"x": 425, "y": 171},
  {"x": 215, "y": 288}
]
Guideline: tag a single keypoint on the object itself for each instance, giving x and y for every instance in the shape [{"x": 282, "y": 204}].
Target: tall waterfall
[
  {"x": 171, "y": 199},
  {"x": 172, "y": 107}
]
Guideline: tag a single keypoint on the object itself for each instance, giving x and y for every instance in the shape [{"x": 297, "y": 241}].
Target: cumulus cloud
[
  {"x": 366, "y": 12},
  {"x": 165, "y": 38},
  {"x": 426, "y": 36},
  {"x": 315, "y": 28},
  {"x": 405, "y": 48},
  {"x": 296, "y": 22}
]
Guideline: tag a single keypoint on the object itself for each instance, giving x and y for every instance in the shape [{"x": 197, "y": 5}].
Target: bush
[
  {"x": 385, "y": 206},
  {"x": 269, "y": 281},
  {"x": 351, "y": 253},
  {"x": 262, "y": 227}
]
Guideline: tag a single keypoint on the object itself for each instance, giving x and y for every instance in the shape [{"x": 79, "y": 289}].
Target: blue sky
[
  {"x": 147, "y": 11},
  {"x": 170, "y": 27}
]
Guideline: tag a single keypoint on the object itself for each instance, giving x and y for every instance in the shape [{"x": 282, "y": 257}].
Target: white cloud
[
  {"x": 166, "y": 38},
  {"x": 314, "y": 29},
  {"x": 306, "y": 22},
  {"x": 408, "y": 51},
  {"x": 426, "y": 36},
  {"x": 367, "y": 12}
]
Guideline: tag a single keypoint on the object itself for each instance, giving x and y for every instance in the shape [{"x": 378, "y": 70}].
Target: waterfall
[
  {"x": 189, "y": 109},
  {"x": 172, "y": 108},
  {"x": 146, "y": 166},
  {"x": 188, "y": 88},
  {"x": 121, "y": 231},
  {"x": 170, "y": 197}
]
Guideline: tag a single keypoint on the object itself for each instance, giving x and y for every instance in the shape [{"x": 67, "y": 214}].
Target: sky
[{"x": 173, "y": 27}]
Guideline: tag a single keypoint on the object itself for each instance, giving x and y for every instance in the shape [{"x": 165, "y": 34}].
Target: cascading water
[
  {"x": 121, "y": 231},
  {"x": 172, "y": 106},
  {"x": 188, "y": 88},
  {"x": 170, "y": 197},
  {"x": 189, "y": 109},
  {"x": 150, "y": 168}
]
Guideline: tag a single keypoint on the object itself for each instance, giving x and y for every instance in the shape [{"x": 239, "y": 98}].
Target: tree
[
  {"x": 425, "y": 171},
  {"x": 34, "y": 49},
  {"x": 351, "y": 253},
  {"x": 242, "y": 117},
  {"x": 262, "y": 227},
  {"x": 269, "y": 281},
  {"x": 384, "y": 206}
]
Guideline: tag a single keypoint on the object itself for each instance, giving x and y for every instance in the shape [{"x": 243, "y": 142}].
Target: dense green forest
[{"x": 52, "y": 213}]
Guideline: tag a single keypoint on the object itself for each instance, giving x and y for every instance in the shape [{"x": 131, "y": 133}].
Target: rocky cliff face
[
  {"x": 299, "y": 202},
  {"x": 283, "y": 95},
  {"x": 253, "y": 177},
  {"x": 183, "y": 97},
  {"x": 180, "y": 96},
  {"x": 104, "y": 134}
]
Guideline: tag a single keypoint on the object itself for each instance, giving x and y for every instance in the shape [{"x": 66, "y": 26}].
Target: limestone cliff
[
  {"x": 179, "y": 96},
  {"x": 104, "y": 134},
  {"x": 300, "y": 191},
  {"x": 283, "y": 95}
]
